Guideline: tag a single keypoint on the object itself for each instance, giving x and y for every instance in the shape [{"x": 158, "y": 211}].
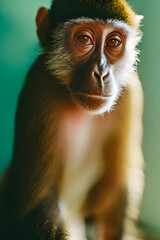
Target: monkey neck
[{"x": 80, "y": 128}]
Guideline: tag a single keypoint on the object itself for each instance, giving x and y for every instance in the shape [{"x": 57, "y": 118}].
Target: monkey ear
[{"x": 42, "y": 22}]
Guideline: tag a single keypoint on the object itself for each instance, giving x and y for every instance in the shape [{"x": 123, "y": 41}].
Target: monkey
[{"x": 77, "y": 162}]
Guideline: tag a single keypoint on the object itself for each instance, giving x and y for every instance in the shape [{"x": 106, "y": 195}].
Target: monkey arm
[
  {"x": 32, "y": 175},
  {"x": 135, "y": 166},
  {"x": 116, "y": 197}
]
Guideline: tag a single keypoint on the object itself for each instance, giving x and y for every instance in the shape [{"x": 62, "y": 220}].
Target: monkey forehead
[{"x": 113, "y": 23}]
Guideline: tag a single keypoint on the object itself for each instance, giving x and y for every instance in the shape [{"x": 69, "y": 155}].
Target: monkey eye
[
  {"x": 85, "y": 39},
  {"x": 114, "y": 41}
]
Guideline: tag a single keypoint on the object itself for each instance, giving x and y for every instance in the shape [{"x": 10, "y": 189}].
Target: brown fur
[
  {"x": 39, "y": 175},
  {"x": 26, "y": 190}
]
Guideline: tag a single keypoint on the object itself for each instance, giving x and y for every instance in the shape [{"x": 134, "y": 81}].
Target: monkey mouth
[
  {"x": 91, "y": 101},
  {"x": 95, "y": 96}
]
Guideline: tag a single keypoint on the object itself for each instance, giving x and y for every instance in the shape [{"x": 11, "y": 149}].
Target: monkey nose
[
  {"x": 100, "y": 77},
  {"x": 100, "y": 73}
]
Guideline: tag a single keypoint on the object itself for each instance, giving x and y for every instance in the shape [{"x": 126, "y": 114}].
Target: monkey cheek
[{"x": 94, "y": 104}]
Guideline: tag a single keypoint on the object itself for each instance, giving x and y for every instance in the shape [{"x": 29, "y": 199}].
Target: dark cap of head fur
[{"x": 64, "y": 10}]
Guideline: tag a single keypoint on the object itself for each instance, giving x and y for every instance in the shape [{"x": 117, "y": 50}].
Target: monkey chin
[{"x": 94, "y": 104}]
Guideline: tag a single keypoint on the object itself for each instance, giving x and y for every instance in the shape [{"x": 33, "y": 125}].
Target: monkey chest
[{"x": 83, "y": 164}]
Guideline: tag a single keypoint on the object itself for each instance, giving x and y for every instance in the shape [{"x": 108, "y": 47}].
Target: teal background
[{"x": 19, "y": 47}]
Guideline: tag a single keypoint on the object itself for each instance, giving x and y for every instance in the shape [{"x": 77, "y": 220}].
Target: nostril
[
  {"x": 106, "y": 76},
  {"x": 97, "y": 76}
]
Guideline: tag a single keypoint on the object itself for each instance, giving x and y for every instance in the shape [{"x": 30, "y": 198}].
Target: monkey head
[{"x": 92, "y": 49}]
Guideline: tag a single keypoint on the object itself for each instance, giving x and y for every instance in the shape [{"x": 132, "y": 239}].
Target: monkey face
[
  {"x": 95, "y": 48},
  {"x": 92, "y": 58}
]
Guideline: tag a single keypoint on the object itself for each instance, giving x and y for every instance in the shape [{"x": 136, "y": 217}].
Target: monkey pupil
[
  {"x": 113, "y": 43},
  {"x": 84, "y": 39}
]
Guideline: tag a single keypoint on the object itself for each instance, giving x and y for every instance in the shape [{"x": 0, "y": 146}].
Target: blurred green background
[{"x": 18, "y": 49}]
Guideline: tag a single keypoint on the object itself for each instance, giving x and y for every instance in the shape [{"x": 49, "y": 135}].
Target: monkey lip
[
  {"x": 93, "y": 96},
  {"x": 91, "y": 101}
]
